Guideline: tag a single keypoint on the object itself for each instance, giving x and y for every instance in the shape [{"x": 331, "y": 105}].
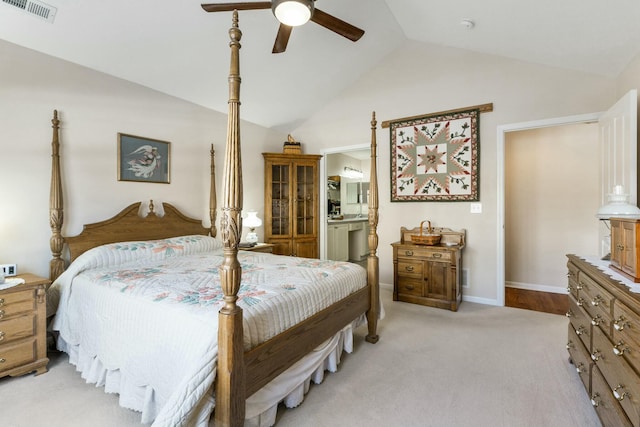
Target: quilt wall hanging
[{"x": 436, "y": 157}]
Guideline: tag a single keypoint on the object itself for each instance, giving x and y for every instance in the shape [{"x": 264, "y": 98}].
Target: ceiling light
[
  {"x": 467, "y": 23},
  {"x": 352, "y": 173},
  {"x": 292, "y": 12}
]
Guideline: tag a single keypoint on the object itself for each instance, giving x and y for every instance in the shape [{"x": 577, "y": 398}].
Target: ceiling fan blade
[
  {"x": 336, "y": 25},
  {"x": 282, "y": 39},
  {"x": 230, "y": 7}
]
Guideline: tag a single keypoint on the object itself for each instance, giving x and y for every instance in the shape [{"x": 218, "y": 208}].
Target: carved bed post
[
  {"x": 230, "y": 386},
  {"x": 56, "y": 213},
  {"x": 372, "y": 261},
  {"x": 213, "y": 203}
]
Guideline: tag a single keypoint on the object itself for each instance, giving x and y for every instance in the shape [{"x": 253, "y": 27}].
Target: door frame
[
  {"x": 502, "y": 131},
  {"x": 323, "y": 187}
]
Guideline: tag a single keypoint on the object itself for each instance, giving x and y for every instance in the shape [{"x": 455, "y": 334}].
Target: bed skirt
[{"x": 289, "y": 387}]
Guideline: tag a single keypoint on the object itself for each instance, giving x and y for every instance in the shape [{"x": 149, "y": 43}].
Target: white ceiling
[{"x": 177, "y": 48}]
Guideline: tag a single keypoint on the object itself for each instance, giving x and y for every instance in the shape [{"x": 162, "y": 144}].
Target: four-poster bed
[{"x": 242, "y": 365}]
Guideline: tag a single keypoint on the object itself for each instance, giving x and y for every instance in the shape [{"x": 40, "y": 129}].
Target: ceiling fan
[{"x": 292, "y": 13}]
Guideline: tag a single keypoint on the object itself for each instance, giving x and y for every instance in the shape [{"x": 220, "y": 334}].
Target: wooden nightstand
[
  {"x": 260, "y": 247},
  {"x": 23, "y": 338}
]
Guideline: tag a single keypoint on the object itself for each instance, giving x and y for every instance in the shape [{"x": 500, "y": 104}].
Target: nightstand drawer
[
  {"x": 410, "y": 268},
  {"x": 16, "y": 328},
  {"x": 17, "y": 354},
  {"x": 430, "y": 254},
  {"x": 18, "y": 307}
]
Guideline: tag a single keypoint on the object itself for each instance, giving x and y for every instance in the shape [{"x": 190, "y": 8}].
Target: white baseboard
[
  {"x": 479, "y": 300},
  {"x": 535, "y": 287}
]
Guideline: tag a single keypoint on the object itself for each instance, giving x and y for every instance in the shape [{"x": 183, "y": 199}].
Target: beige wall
[
  {"x": 93, "y": 108},
  {"x": 422, "y": 78},
  {"x": 552, "y": 193}
]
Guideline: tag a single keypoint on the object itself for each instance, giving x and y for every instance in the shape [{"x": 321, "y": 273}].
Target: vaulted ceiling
[{"x": 177, "y": 48}]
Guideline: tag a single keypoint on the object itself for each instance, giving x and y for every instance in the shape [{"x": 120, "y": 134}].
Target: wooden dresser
[
  {"x": 23, "y": 346},
  {"x": 604, "y": 339},
  {"x": 428, "y": 275}
]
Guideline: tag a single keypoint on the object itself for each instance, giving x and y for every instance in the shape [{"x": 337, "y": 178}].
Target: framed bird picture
[{"x": 143, "y": 159}]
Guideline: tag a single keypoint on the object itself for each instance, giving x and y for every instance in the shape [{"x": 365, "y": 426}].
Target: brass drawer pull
[
  {"x": 620, "y": 247},
  {"x": 580, "y": 331},
  {"x": 1, "y": 302},
  {"x": 569, "y": 345},
  {"x": 410, "y": 287},
  {"x": 596, "y": 301},
  {"x": 2, "y": 360},
  {"x": 620, "y": 324},
  {"x": 569, "y": 288},
  {"x": 595, "y": 400},
  {"x": 619, "y": 351},
  {"x": 595, "y": 356},
  {"x": 617, "y": 394},
  {"x": 579, "y": 287},
  {"x": 1, "y": 314},
  {"x": 596, "y": 320},
  {"x": 580, "y": 302},
  {"x": 436, "y": 255},
  {"x": 1, "y": 335},
  {"x": 580, "y": 368},
  {"x": 408, "y": 253},
  {"x": 569, "y": 313},
  {"x": 409, "y": 268}
]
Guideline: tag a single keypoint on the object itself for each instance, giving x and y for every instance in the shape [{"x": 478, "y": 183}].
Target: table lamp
[{"x": 252, "y": 222}]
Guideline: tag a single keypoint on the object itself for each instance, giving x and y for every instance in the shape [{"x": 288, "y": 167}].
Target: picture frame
[
  {"x": 436, "y": 157},
  {"x": 142, "y": 159}
]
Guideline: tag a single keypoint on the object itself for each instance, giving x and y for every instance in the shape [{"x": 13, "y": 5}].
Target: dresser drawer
[
  {"x": 626, "y": 324},
  {"x": 410, "y": 268},
  {"x": 580, "y": 358},
  {"x": 410, "y": 287},
  {"x": 17, "y": 328},
  {"x": 580, "y": 322},
  {"x": 13, "y": 355},
  {"x": 608, "y": 408},
  {"x": 623, "y": 382}
]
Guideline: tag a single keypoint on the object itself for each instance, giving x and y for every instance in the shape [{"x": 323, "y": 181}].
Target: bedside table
[
  {"x": 23, "y": 340},
  {"x": 260, "y": 247}
]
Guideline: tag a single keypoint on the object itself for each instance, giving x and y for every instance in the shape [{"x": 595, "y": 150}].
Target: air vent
[{"x": 34, "y": 8}]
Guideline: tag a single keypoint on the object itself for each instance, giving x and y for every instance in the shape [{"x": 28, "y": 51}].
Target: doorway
[
  {"x": 334, "y": 161},
  {"x": 503, "y": 132}
]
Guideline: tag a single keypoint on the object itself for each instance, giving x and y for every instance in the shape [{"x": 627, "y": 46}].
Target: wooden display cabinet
[
  {"x": 625, "y": 254},
  {"x": 291, "y": 203}
]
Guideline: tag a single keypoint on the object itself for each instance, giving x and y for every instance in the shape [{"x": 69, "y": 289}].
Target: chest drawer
[
  {"x": 12, "y": 355},
  {"x": 580, "y": 357},
  {"x": 579, "y": 321},
  {"x": 410, "y": 268},
  {"x": 623, "y": 383},
  {"x": 410, "y": 287},
  {"x": 597, "y": 301},
  {"x": 17, "y": 328},
  {"x": 607, "y": 407},
  {"x": 425, "y": 253}
]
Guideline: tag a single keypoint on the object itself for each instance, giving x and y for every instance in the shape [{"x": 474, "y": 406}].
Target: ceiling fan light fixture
[{"x": 292, "y": 12}]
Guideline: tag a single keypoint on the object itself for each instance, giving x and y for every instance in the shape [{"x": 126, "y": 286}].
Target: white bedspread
[{"x": 140, "y": 318}]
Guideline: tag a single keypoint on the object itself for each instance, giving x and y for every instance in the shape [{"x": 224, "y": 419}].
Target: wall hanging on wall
[
  {"x": 435, "y": 157},
  {"x": 143, "y": 159}
]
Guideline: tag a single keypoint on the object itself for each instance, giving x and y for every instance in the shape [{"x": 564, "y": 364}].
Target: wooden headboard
[{"x": 128, "y": 225}]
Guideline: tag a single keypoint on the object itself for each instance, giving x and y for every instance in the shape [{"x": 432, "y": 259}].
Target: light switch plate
[{"x": 476, "y": 207}]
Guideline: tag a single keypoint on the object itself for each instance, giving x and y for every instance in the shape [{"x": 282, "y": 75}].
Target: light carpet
[{"x": 482, "y": 366}]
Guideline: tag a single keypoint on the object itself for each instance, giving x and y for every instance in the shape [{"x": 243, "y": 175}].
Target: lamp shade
[
  {"x": 252, "y": 222},
  {"x": 618, "y": 206},
  {"x": 292, "y": 12}
]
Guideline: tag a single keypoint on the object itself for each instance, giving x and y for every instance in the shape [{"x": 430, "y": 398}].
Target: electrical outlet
[{"x": 9, "y": 269}]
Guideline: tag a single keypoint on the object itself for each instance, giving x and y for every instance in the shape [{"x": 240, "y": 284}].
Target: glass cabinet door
[
  {"x": 305, "y": 199},
  {"x": 280, "y": 206}
]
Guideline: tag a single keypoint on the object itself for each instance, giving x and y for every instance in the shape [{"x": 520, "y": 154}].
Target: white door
[{"x": 618, "y": 144}]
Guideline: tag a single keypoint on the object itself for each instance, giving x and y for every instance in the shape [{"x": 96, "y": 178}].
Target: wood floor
[{"x": 538, "y": 301}]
